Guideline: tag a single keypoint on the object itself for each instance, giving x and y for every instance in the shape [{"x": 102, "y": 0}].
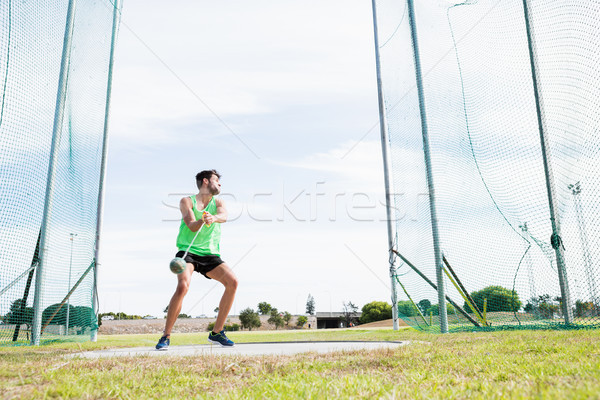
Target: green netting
[
  {"x": 486, "y": 158},
  {"x": 31, "y": 49}
]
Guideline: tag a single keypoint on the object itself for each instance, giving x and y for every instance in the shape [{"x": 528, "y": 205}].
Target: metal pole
[
  {"x": 69, "y": 286},
  {"x": 56, "y": 134},
  {"x": 439, "y": 268},
  {"x": 100, "y": 213},
  {"x": 533, "y": 292},
  {"x": 556, "y": 239},
  {"x": 587, "y": 258},
  {"x": 386, "y": 169}
]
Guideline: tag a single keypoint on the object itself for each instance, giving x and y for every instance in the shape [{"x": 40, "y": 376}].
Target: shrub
[
  {"x": 82, "y": 316},
  {"x": 407, "y": 308},
  {"x": 435, "y": 309},
  {"x": 287, "y": 317},
  {"x": 301, "y": 321},
  {"x": 227, "y": 327},
  {"x": 584, "y": 309},
  {"x": 58, "y": 313},
  {"x": 543, "y": 305},
  {"x": 498, "y": 299},
  {"x": 249, "y": 319},
  {"x": 375, "y": 311},
  {"x": 275, "y": 319}
]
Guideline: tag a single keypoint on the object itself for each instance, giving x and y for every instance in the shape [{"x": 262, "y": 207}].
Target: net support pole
[
  {"x": 56, "y": 134},
  {"x": 386, "y": 169},
  {"x": 556, "y": 239},
  {"x": 100, "y": 212},
  {"x": 439, "y": 268}
]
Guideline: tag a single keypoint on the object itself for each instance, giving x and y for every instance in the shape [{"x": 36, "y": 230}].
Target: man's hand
[{"x": 208, "y": 218}]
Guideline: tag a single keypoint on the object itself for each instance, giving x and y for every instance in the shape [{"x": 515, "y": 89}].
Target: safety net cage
[
  {"x": 54, "y": 79},
  {"x": 491, "y": 112}
]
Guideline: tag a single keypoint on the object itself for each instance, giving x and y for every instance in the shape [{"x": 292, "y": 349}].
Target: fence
[
  {"x": 490, "y": 120},
  {"x": 55, "y": 74}
]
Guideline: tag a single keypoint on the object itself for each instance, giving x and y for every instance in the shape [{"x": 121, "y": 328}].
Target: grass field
[{"x": 494, "y": 365}]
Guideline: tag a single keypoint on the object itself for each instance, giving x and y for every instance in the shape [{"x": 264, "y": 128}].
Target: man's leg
[
  {"x": 225, "y": 275},
  {"x": 183, "y": 285}
]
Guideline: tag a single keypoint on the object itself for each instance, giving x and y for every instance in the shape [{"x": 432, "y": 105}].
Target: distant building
[{"x": 330, "y": 320}]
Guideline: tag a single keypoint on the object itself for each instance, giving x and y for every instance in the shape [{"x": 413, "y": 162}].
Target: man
[{"x": 202, "y": 214}]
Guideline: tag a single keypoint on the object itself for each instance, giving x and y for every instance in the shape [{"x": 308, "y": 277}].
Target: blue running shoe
[
  {"x": 220, "y": 338},
  {"x": 163, "y": 343}
]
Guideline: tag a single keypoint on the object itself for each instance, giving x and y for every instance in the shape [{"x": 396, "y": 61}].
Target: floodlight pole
[
  {"x": 69, "y": 286},
  {"x": 56, "y": 134},
  {"x": 585, "y": 244},
  {"x": 100, "y": 213},
  {"x": 386, "y": 170},
  {"x": 533, "y": 293},
  {"x": 427, "y": 153},
  {"x": 556, "y": 239}
]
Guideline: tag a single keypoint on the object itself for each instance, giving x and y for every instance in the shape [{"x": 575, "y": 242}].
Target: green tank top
[{"x": 207, "y": 242}]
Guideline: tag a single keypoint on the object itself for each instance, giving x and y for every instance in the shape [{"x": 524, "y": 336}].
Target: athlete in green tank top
[
  {"x": 200, "y": 232},
  {"x": 207, "y": 241}
]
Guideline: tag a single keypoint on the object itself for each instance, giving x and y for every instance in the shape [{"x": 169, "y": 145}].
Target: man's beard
[{"x": 214, "y": 190}]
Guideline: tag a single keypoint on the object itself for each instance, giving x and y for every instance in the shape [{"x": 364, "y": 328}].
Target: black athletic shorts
[{"x": 202, "y": 264}]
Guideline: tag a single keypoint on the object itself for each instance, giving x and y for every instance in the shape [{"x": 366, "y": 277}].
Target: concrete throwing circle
[{"x": 245, "y": 349}]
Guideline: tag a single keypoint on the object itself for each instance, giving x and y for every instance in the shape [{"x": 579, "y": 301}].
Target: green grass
[{"x": 495, "y": 365}]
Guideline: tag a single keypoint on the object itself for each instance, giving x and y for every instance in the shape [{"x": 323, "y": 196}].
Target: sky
[{"x": 281, "y": 99}]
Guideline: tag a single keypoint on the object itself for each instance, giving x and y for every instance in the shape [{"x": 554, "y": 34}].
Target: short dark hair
[{"x": 206, "y": 174}]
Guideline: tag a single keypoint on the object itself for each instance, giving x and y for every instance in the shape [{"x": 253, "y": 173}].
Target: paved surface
[{"x": 246, "y": 349}]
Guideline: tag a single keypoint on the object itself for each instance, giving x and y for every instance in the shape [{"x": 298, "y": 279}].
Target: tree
[
  {"x": 424, "y": 305},
  {"x": 376, "y": 311},
  {"x": 275, "y": 319},
  {"x": 58, "y": 313},
  {"x": 543, "y": 305},
  {"x": 19, "y": 314},
  {"x": 119, "y": 315},
  {"x": 287, "y": 317},
  {"x": 498, "y": 299},
  {"x": 228, "y": 327},
  {"x": 301, "y": 321},
  {"x": 407, "y": 308},
  {"x": 349, "y": 313},
  {"x": 264, "y": 308},
  {"x": 435, "y": 309},
  {"x": 183, "y": 316},
  {"x": 82, "y": 316},
  {"x": 310, "y": 305},
  {"x": 249, "y": 319},
  {"x": 584, "y": 309}
]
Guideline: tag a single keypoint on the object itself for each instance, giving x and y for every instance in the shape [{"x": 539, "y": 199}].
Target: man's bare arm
[
  {"x": 221, "y": 215},
  {"x": 186, "y": 207}
]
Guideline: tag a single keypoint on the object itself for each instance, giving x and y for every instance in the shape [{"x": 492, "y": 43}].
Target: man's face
[{"x": 214, "y": 186}]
